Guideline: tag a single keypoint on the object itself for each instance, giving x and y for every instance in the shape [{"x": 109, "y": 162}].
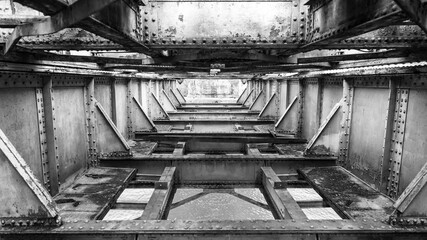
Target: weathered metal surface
[
  {"x": 140, "y": 119},
  {"x": 309, "y": 112},
  {"x": 413, "y": 155},
  {"x": 121, "y": 101},
  {"x": 410, "y": 202},
  {"x": 336, "y": 20},
  {"x": 51, "y": 143},
  {"x": 191, "y": 21},
  {"x": 96, "y": 24},
  {"x": 156, "y": 109},
  {"x": 71, "y": 149},
  {"x": 156, "y": 206},
  {"x": 331, "y": 95},
  {"x": 415, "y": 9},
  {"x": 397, "y": 140},
  {"x": 20, "y": 124},
  {"x": 288, "y": 121},
  {"x": 211, "y": 115},
  {"x": 23, "y": 196},
  {"x": 109, "y": 138},
  {"x": 365, "y": 156},
  {"x": 65, "y": 18},
  {"x": 259, "y": 102},
  {"x": 93, "y": 193},
  {"x": 103, "y": 94},
  {"x": 218, "y": 125},
  {"x": 352, "y": 197},
  {"x": 283, "y": 204},
  {"x": 329, "y": 137},
  {"x": 270, "y": 109}
]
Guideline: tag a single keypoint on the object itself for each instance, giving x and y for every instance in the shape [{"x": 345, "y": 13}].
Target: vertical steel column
[
  {"x": 43, "y": 139},
  {"x": 91, "y": 122},
  {"x": 398, "y": 136},
  {"x": 267, "y": 90},
  {"x": 319, "y": 101},
  {"x": 348, "y": 93},
  {"x": 50, "y": 125},
  {"x": 300, "y": 108},
  {"x": 388, "y": 135},
  {"x": 113, "y": 101},
  {"x": 130, "y": 93}
]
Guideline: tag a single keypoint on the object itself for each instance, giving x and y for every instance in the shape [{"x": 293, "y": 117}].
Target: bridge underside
[{"x": 164, "y": 119}]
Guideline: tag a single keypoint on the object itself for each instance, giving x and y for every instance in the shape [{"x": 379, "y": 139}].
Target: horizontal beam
[
  {"x": 279, "y": 140},
  {"x": 40, "y": 55},
  {"x": 12, "y": 20},
  {"x": 354, "y": 57}
]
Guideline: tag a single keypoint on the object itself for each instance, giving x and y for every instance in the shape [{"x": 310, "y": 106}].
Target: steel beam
[
  {"x": 11, "y": 21},
  {"x": 65, "y": 18},
  {"x": 332, "y": 21},
  {"x": 416, "y": 10},
  {"x": 156, "y": 206},
  {"x": 92, "y": 24},
  {"x": 355, "y": 57}
]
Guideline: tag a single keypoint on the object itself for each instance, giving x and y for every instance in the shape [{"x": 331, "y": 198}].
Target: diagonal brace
[{"x": 66, "y": 18}]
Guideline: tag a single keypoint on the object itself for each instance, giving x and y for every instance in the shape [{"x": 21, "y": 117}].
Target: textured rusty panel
[
  {"x": 332, "y": 94},
  {"x": 121, "y": 107},
  {"x": 17, "y": 199},
  {"x": 310, "y": 119},
  {"x": 18, "y": 120},
  {"x": 367, "y": 133},
  {"x": 103, "y": 96},
  {"x": 415, "y": 141},
  {"x": 219, "y": 20},
  {"x": 121, "y": 16},
  {"x": 71, "y": 133}
]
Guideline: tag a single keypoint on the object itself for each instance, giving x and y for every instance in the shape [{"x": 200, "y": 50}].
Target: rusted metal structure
[{"x": 98, "y": 140}]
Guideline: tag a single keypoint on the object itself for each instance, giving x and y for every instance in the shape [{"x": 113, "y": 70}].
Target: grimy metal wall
[
  {"x": 374, "y": 124},
  {"x": 51, "y": 120}
]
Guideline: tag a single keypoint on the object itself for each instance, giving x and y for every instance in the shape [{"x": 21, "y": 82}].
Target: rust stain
[{"x": 170, "y": 31}]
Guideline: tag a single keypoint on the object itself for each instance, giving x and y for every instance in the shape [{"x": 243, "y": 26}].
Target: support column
[
  {"x": 348, "y": 92},
  {"x": 388, "y": 133},
  {"x": 91, "y": 122},
  {"x": 52, "y": 147},
  {"x": 113, "y": 102}
]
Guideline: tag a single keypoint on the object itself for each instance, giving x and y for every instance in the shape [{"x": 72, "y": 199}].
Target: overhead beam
[
  {"x": 39, "y": 55},
  {"x": 354, "y": 57},
  {"x": 63, "y": 19},
  {"x": 416, "y": 11},
  {"x": 341, "y": 19},
  {"x": 92, "y": 24},
  {"x": 12, "y": 20}
]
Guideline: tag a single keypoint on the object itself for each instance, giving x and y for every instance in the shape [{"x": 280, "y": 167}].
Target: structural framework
[{"x": 102, "y": 137}]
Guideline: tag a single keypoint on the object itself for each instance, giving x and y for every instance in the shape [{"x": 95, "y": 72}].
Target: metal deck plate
[
  {"x": 321, "y": 214},
  {"x": 305, "y": 195},
  {"x": 122, "y": 214},
  {"x": 136, "y": 195}
]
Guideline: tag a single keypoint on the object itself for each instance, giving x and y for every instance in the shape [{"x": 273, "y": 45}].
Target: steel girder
[{"x": 122, "y": 29}]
